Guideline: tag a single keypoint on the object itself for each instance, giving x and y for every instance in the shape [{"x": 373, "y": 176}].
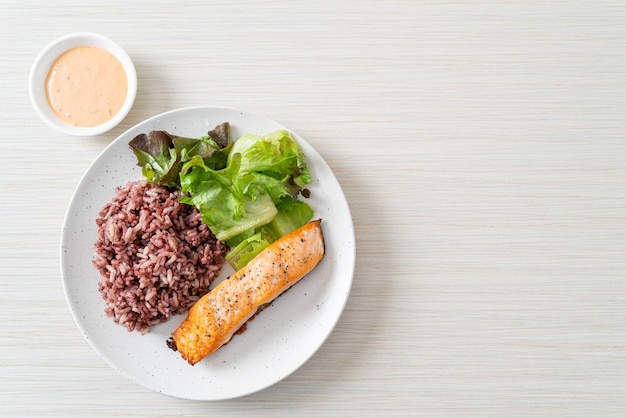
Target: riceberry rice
[{"x": 154, "y": 254}]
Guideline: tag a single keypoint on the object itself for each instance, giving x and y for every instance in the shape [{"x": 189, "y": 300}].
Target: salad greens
[
  {"x": 246, "y": 190},
  {"x": 161, "y": 155}
]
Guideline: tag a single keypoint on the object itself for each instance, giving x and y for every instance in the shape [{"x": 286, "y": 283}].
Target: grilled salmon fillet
[{"x": 216, "y": 317}]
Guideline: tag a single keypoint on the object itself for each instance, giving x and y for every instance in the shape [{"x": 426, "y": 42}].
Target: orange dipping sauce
[{"x": 86, "y": 86}]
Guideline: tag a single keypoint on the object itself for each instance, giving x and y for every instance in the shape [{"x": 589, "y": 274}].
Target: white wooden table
[{"x": 481, "y": 146}]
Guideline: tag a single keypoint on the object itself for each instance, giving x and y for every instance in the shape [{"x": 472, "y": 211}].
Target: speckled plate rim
[{"x": 279, "y": 340}]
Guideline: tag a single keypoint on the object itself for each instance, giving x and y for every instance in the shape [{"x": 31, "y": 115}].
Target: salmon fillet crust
[{"x": 218, "y": 315}]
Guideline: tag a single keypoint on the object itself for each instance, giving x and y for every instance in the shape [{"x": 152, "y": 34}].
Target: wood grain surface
[{"x": 481, "y": 146}]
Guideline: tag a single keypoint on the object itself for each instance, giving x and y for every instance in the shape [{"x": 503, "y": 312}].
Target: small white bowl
[{"x": 46, "y": 59}]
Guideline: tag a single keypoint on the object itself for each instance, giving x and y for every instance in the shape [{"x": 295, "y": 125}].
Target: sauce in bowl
[{"x": 86, "y": 86}]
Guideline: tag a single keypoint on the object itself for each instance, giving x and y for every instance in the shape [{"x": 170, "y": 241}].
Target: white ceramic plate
[{"x": 279, "y": 340}]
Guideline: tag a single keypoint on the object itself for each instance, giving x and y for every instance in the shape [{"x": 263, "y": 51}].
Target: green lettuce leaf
[
  {"x": 246, "y": 250},
  {"x": 274, "y": 156},
  {"x": 219, "y": 196},
  {"x": 292, "y": 214}
]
